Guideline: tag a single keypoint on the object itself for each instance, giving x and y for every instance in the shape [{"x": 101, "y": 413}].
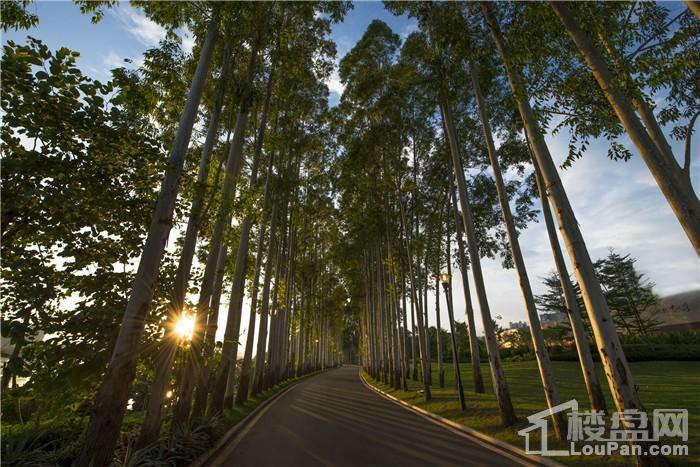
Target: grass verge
[{"x": 662, "y": 385}]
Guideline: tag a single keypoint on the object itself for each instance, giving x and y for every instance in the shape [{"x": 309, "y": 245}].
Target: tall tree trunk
[
  {"x": 450, "y": 313},
  {"x": 441, "y": 365},
  {"x": 150, "y": 428},
  {"x": 404, "y": 363},
  {"x": 675, "y": 186},
  {"x": 425, "y": 313},
  {"x": 265, "y": 303},
  {"x": 246, "y": 366},
  {"x": 469, "y": 310},
  {"x": 694, "y": 6},
  {"x": 194, "y": 372},
  {"x": 270, "y": 373},
  {"x": 419, "y": 313},
  {"x": 302, "y": 332},
  {"x": 225, "y": 377},
  {"x": 590, "y": 378},
  {"x": 202, "y": 388},
  {"x": 541, "y": 355},
  {"x": 110, "y": 402},
  {"x": 451, "y": 318},
  {"x": 414, "y": 357},
  {"x": 498, "y": 377},
  {"x": 612, "y": 356}
]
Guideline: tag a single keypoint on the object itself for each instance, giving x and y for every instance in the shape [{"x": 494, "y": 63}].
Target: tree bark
[
  {"x": 649, "y": 141},
  {"x": 421, "y": 330},
  {"x": 225, "y": 376},
  {"x": 499, "y": 380},
  {"x": 590, "y": 378},
  {"x": 194, "y": 372},
  {"x": 265, "y": 303},
  {"x": 110, "y": 402},
  {"x": 541, "y": 355},
  {"x": 612, "y": 356},
  {"x": 246, "y": 366},
  {"x": 441, "y": 365},
  {"x": 469, "y": 310}
]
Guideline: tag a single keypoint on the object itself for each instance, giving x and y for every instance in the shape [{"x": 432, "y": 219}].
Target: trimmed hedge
[{"x": 638, "y": 352}]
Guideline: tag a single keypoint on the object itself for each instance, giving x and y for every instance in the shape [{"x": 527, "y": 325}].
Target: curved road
[{"x": 332, "y": 419}]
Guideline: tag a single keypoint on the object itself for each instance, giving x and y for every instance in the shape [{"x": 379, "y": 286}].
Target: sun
[{"x": 184, "y": 326}]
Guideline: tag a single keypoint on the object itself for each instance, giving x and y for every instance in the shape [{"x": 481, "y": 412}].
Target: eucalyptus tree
[
  {"x": 512, "y": 152},
  {"x": 217, "y": 248},
  {"x": 152, "y": 419},
  {"x": 430, "y": 56},
  {"x": 590, "y": 378},
  {"x": 222, "y": 389},
  {"x": 110, "y": 402},
  {"x": 541, "y": 354},
  {"x": 369, "y": 104},
  {"x": 623, "y": 76},
  {"x": 628, "y": 71},
  {"x": 474, "y": 351},
  {"x": 617, "y": 370},
  {"x": 304, "y": 54}
]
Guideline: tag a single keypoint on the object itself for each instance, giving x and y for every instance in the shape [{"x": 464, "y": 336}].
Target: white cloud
[
  {"x": 617, "y": 205},
  {"x": 334, "y": 83},
  {"x": 136, "y": 24},
  {"x": 112, "y": 60},
  {"x": 187, "y": 41},
  {"x": 406, "y": 31}
]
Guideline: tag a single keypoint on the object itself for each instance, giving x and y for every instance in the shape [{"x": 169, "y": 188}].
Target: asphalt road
[{"x": 332, "y": 419}]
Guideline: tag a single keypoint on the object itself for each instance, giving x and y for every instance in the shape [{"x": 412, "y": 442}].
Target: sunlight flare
[{"x": 184, "y": 326}]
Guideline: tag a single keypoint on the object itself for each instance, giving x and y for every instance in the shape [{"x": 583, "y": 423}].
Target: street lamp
[{"x": 445, "y": 280}]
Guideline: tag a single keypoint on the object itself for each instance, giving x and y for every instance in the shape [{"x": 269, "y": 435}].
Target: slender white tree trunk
[
  {"x": 590, "y": 378},
  {"x": 194, "y": 371},
  {"x": 225, "y": 377},
  {"x": 650, "y": 141},
  {"x": 419, "y": 313},
  {"x": 110, "y": 402},
  {"x": 541, "y": 355},
  {"x": 498, "y": 377},
  {"x": 469, "y": 310},
  {"x": 613, "y": 358}
]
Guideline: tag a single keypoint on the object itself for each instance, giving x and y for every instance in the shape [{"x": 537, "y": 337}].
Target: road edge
[
  {"x": 235, "y": 430},
  {"x": 483, "y": 439}
]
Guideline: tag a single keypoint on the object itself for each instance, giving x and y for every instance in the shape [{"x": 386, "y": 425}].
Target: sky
[{"x": 617, "y": 204}]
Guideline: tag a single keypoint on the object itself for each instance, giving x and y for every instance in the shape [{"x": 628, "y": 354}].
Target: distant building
[{"x": 553, "y": 319}]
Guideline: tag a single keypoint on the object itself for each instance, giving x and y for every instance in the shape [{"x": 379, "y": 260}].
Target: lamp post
[{"x": 445, "y": 280}]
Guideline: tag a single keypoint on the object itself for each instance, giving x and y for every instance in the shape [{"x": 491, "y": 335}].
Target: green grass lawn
[{"x": 662, "y": 385}]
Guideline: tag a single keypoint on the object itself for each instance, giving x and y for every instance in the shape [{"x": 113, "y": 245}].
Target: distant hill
[{"x": 679, "y": 312}]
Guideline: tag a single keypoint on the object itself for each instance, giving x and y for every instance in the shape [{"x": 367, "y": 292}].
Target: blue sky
[{"x": 618, "y": 205}]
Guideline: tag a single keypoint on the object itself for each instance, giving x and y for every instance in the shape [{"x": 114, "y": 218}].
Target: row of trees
[
  {"x": 423, "y": 116},
  {"x": 341, "y": 219},
  {"x": 250, "y": 196}
]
